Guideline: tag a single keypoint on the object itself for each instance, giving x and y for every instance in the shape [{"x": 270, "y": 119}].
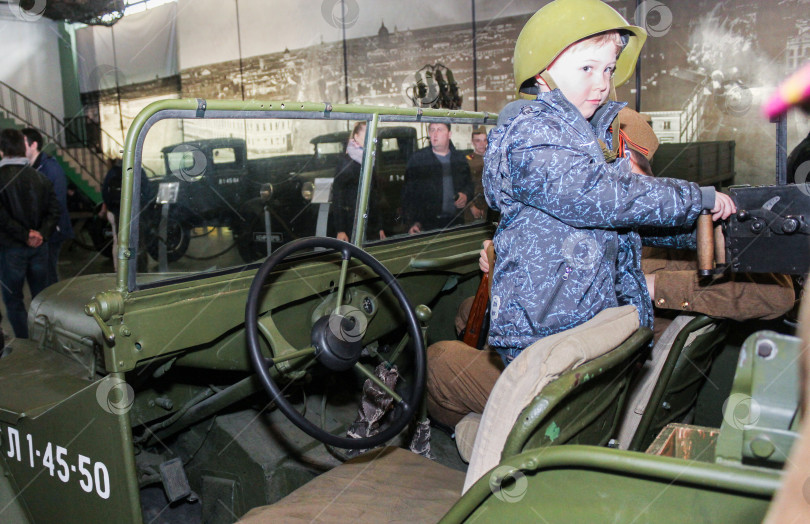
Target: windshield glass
[{"x": 219, "y": 193}]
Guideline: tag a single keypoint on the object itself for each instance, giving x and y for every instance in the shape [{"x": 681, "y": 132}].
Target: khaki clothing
[
  {"x": 459, "y": 380},
  {"x": 460, "y": 377},
  {"x": 736, "y": 296}
]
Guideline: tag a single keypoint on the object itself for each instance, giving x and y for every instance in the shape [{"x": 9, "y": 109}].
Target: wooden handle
[
  {"x": 719, "y": 245},
  {"x": 705, "y": 243},
  {"x": 490, "y": 263},
  {"x": 478, "y": 313}
]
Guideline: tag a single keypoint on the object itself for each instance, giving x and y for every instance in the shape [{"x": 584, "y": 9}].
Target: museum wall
[
  {"x": 705, "y": 69},
  {"x": 33, "y": 67}
]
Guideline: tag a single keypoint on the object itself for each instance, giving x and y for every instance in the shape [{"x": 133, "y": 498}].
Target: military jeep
[{"x": 208, "y": 388}]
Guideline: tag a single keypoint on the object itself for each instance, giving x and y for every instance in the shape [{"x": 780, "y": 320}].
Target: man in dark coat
[
  {"x": 48, "y": 166},
  {"x": 29, "y": 212},
  {"x": 437, "y": 184}
]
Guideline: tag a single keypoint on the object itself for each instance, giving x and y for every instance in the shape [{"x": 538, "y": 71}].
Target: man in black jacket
[
  {"x": 437, "y": 184},
  {"x": 48, "y": 166},
  {"x": 29, "y": 212}
]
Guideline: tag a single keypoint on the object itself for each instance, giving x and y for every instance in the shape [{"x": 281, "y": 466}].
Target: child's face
[{"x": 583, "y": 74}]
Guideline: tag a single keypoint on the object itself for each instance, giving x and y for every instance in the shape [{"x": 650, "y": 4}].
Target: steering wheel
[{"x": 332, "y": 348}]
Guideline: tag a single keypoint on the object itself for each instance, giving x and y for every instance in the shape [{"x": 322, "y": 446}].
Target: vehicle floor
[{"x": 271, "y": 455}]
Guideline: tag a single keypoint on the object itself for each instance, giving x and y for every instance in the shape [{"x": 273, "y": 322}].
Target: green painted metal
[
  {"x": 69, "y": 69},
  {"x": 684, "y": 372},
  {"x": 191, "y": 304},
  {"x": 68, "y": 438},
  {"x": 593, "y": 484},
  {"x": 365, "y": 182},
  {"x": 423, "y": 262},
  {"x": 759, "y": 417},
  {"x": 583, "y": 405}
]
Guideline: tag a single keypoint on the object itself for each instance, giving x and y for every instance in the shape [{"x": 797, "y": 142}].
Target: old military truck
[
  {"x": 212, "y": 389},
  {"x": 215, "y": 184}
]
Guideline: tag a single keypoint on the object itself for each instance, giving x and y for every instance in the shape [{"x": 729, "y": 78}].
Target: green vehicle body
[{"x": 125, "y": 372}]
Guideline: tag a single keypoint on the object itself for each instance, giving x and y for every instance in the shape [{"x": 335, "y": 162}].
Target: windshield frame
[{"x": 126, "y": 280}]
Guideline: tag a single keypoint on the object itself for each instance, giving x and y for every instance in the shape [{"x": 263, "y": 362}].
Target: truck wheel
[{"x": 178, "y": 235}]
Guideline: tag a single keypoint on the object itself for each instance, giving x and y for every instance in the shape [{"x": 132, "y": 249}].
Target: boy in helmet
[{"x": 568, "y": 243}]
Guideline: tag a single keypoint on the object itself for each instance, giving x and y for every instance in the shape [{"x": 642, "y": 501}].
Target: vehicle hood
[{"x": 60, "y": 307}]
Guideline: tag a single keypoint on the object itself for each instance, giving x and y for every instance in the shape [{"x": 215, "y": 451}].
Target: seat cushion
[
  {"x": 383, "y": 485},
  {"x": 533, "y": 369}
]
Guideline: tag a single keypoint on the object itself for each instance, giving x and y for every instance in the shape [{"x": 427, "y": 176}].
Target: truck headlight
[
  {"x": 307, "y": 190},
  {"x": 266, "y": 192}
]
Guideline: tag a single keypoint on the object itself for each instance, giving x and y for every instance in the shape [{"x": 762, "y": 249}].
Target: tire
[{"x": 178, "y": 237}]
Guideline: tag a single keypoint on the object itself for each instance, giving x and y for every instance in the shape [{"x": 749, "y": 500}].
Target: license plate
[{"x": 262, "y": 237}]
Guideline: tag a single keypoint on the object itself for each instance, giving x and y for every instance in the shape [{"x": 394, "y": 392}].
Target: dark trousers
[
  {"x": 53, "y": 260},
  {"x": 18, "y": 264}
]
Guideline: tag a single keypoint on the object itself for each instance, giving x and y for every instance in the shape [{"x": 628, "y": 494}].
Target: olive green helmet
[{"x": 563, "y": 22}]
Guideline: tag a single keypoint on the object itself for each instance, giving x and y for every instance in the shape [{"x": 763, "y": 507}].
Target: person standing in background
[
  {"x": 48, "y": 166},
  {"x": 29, "y": 212},
  {"x": 477, "y": 209}
]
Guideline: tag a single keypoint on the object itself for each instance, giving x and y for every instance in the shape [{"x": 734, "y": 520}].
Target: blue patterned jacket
[{"x": 568, "y": 243}]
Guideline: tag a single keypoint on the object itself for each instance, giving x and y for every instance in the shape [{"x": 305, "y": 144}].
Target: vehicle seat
[
  {"x": 536, "y": 403},
  {"x": 384, "y": 485},
  {"x": 395, "y": 485},
  {"x": 668, "y": 385}
]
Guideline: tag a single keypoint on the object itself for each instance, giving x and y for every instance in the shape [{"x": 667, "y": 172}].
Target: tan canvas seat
[
  {"x": 537, "y": 366},
  {"x": 383, "y": 485}
]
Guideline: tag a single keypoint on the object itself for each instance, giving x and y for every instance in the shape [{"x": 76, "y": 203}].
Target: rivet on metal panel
[{"x": 766, "y": 348}]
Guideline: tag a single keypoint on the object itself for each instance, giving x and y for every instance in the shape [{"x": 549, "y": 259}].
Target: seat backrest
[
  {"x": 668, "y": 385},
  {"x": 563, "y": 388}
]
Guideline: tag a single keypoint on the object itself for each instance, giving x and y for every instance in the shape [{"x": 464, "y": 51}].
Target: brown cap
[
  {"x": 479, "y": 130},
  {"x": 638, "y": 134}
]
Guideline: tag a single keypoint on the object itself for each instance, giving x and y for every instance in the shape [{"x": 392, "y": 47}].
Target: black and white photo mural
[{"x": 704, "y": 71}]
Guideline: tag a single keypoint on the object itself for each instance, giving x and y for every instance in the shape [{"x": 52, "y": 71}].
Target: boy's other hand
[
  {"x": 483, "y": 261},
  {"x": 723, "y": 207}
]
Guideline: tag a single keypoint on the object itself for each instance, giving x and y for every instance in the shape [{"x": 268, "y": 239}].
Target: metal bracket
[{"x": 201, "y": 105}]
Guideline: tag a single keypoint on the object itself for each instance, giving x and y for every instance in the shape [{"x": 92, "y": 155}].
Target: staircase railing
[{"x": 88, "y": 159}]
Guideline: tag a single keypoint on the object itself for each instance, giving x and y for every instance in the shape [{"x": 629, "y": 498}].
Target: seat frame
[
  {"x": 584, "y": 405},
  {"x": 684, "y": 370}
]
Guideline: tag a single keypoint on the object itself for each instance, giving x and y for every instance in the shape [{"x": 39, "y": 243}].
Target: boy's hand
[
  {"x": 461, "y": 201},
  {"x": 723, "y": 207},
  {"x": 483, "y": 261}
]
